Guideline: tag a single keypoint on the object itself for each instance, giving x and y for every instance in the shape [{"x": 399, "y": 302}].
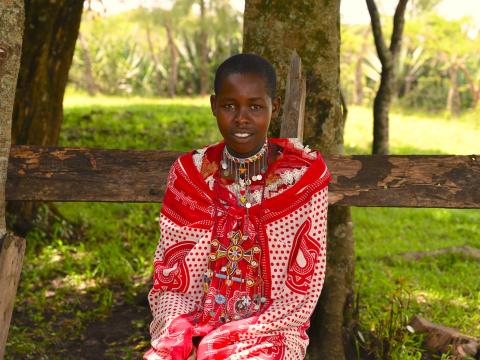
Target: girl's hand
[{"x": 193, "y": 354}]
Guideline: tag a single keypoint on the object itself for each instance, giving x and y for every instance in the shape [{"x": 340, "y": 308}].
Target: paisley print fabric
[{"x": 219, "y": 309}]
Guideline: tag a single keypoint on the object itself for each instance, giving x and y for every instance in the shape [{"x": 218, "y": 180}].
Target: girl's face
[{"x": 243, "y": 110}]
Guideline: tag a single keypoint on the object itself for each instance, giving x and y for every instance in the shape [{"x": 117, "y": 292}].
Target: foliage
[
  {"x": 95, "y": 258},
  {"x": 437, "y": 59},
  {"x": 129, "y": 52},
  {"x": 387, "y": 337}
]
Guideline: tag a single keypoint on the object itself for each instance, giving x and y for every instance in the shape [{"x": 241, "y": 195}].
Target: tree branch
[
  {"x": 382, "y": 50},
  {"x": 398, "y": 26},
  {"x": 471, "y": 82}
]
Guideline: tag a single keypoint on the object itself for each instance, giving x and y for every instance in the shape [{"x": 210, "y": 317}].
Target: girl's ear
[
  {"x": 213, "y": 104},
  {"x": 276, "y": 102}
]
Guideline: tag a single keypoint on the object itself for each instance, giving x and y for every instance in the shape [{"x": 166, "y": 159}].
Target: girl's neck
[{"x": 243, "y": 155}]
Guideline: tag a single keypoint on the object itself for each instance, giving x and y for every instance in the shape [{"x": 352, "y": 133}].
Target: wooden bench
[
  {"x": 80, "y": 174},
  {"x": 65, "y": 174}
]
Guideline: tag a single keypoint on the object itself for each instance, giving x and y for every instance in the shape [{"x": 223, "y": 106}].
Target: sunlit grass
[
  {"x": 75, "y": 99},
  {"x": 414, "y": 134}
]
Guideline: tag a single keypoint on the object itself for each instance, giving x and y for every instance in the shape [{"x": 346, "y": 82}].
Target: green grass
[
  {"x": 445, "y": 288},
  {"x": 119, "y": 123},
  {"x": 415, "y": 133},
  {"x": 77, "y": 269}
]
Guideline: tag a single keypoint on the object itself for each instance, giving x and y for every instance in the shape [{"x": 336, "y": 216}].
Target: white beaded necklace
[{"x": 242, "y": 169}]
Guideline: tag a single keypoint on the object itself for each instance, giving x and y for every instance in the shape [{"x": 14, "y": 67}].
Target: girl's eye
[
  {"x": 255, "y": 107},
  {"x": 229, "y": 107}
]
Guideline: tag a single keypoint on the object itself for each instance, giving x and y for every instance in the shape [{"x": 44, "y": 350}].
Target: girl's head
[{"x": 244, "y": 101}]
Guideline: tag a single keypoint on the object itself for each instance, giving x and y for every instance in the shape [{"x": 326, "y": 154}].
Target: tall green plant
[{"x": 158, "y": 51}]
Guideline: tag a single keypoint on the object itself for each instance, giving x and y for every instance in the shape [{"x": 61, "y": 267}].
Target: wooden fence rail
[{"x": 81, "y": 174}]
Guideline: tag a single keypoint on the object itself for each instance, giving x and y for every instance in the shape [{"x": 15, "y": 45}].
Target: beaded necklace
[
  {"x": 235, "y": 257},
  {"x": 245, "y": 171}
]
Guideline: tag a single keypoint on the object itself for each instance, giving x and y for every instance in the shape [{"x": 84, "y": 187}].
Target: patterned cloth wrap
[{"x": 289, "y": 224}]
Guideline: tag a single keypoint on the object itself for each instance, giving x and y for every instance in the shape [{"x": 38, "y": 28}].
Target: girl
[{"x": 241, "y": 260}]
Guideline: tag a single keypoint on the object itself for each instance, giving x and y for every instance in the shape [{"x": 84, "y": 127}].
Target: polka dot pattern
[{"x": 296, "y": 256}]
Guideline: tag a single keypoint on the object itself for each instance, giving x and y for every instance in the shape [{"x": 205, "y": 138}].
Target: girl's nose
[{"x": 242, "y": 115}]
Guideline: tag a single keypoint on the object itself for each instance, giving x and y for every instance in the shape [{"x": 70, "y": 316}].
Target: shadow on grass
[
  {"x": 75, "y": 324},
  {"x": 83, "y": 289}
]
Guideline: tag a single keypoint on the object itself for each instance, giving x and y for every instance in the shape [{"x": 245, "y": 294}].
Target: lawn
[{"x": 88, "y": 266}]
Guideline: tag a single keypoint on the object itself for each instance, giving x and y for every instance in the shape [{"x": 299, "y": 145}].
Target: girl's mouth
[{"x": 242, "y": 135}]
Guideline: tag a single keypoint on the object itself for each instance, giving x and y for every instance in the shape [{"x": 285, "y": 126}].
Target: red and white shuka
[{"x": 239, "y": 283}]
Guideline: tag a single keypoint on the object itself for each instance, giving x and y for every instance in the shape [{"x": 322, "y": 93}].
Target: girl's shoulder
[{"x": 295, "y": 154}]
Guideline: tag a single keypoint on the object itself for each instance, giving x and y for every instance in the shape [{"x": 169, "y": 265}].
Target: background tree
[
  {"x": 157, "y": 51},
  {"x": 88, "y": 73},
  {"x": 450, "y": 43},
  {"x": 388, "y": 57},
  {"x": 420, "y": 8},
  {"x": 170, "y": 22},
  {"x": 51, "y": 30},
  {"x": 273, "y": 30},
  {"x": 355, "y": 52},
  {"x": 11, "y": 247},
  {"x": 203, "y": 49}
]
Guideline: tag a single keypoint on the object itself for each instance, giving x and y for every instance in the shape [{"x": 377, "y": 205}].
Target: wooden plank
[
  {"x": 12, "y": 249},
  {"x": 79, "y": 174},
  {"x": 442, "y": 181},
  {"x": 294, "y": 104}
]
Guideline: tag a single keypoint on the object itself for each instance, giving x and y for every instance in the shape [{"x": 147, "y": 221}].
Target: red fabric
[{"x": 291, "y": 232}]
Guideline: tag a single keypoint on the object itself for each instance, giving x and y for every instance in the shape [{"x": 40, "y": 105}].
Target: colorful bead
[{"x": 220, "y": 299}]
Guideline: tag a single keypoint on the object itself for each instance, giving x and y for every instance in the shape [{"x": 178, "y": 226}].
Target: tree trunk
[
  {"x": 11, "y": 248},
  {"x": 87, "y": 60},
  {"x": 381, "y": 108},
  {"x": 273, "y": 30},
  {"x": 388, "y": 57},
  {"x": 155, "y": 59},
  {"x": 474, "y": 89},
  {"x": 453, "y": 100},
  {"x": 173, "y": 75},
  {"x": 203, "y": 50},
  {"x": 358, "y": 91},
  {"x": 409, "y": 79},
  {"x": 51, "y": 30}
]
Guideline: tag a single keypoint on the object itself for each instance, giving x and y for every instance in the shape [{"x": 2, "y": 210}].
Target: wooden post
[
  {"x": 294, "y": 104},
  {"x": 12, "y": 248}
]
